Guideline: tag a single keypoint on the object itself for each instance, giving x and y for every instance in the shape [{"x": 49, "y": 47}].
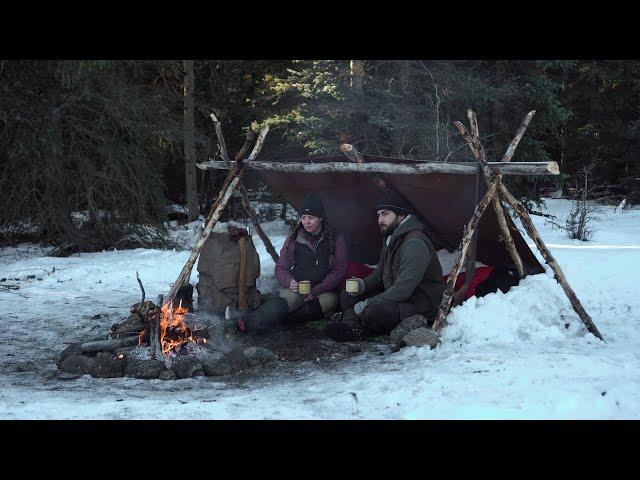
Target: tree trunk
[
  {"x": 356, "y": 72},
  {"x": 189, "y": 144}
]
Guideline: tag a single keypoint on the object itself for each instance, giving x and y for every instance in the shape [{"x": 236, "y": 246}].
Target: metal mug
[
  {"x": 352, "y": 285},
  {"x": 304, "y": 287}
]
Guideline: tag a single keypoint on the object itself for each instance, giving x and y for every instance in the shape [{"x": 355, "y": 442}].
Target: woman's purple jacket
[{"x": 332, "y": 281}]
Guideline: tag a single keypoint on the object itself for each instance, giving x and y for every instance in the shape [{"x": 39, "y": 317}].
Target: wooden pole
[
  {"x": 516, "y": 140},
  {"x": 155, "y": 340},
  {"x": 245, "y": 198},
  {"x": 221, "y": 142},
  {"x": 447, "y": 296},
  {"x": 356, "y": 157},
  {"x": 221, "y": 203},
  {"x": 478, "y": 151},
  {"x": 242, "y": 273},
  {"x": 422, "y": 168},
  {"x": 230, "y": 184},
  {"x": 256, "y": 223},
  {"x": 245, "y": 146},
  {"x": 551, "y": 261}
]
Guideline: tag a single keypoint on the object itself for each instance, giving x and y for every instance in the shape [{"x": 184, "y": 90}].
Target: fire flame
[{"x": 173, "y": 330}]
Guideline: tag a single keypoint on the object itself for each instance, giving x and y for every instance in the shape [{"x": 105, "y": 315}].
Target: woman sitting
[{"x": 313, "y": 253}]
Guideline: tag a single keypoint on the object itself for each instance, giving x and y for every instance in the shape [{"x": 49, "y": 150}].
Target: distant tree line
[{"x": 93, "y": 151}]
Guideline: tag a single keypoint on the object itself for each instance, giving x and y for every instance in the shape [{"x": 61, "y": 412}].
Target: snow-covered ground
[{"x": 524, "y": 354}]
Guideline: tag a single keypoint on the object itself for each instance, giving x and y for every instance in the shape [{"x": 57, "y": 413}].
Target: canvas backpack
[{"x": 219, "y": 272}]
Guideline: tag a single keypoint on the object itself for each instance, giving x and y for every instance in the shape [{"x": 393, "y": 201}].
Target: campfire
[{"x": 168, "y": 329}]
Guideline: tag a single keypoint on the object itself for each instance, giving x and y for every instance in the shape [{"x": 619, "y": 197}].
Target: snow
[{"x": 520, "y": 355}]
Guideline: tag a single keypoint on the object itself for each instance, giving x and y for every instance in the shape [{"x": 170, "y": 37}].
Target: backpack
[{"x": 219, "y": 271}]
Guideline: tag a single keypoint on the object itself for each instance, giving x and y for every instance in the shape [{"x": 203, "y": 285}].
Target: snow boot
[
  {"x": 265, "y": 317},
  {"x": 344, "y": 327},
  {"x": 307, "y": 312}
]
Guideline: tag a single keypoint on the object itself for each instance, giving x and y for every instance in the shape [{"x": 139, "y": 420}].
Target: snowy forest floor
[{"x": 524, "y": 354}]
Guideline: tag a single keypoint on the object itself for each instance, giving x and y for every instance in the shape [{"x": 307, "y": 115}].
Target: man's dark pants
[{"x": 378, "y": 319}]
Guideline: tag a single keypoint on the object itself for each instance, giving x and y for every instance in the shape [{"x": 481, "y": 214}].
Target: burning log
[
  {"x": 108, "y": 345},
  {"x": 132, "y": 326},
  {"x": 155, "y": 337}
]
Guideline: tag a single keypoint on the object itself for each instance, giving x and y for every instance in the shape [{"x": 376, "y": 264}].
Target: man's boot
[
  {"x": 265, "y": 317},
  {"x": 307, "y": 312},
  {"x": 344, "y": 327}
]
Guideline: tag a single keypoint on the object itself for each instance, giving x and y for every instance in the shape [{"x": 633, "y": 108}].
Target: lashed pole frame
[
  {"x": 230, "y": 184},
  {"x": 475, "y": 145},
  {"x": 243, "y": 192},
  {"x": 503, "y": 193}
]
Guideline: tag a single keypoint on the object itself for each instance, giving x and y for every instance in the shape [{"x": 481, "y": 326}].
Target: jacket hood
[{"x": 411, "y": 223}]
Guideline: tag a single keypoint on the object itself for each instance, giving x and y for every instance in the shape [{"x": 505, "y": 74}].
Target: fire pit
[
  {"x": 167, "y": 329},
  {"x": 165, "y": 341}
]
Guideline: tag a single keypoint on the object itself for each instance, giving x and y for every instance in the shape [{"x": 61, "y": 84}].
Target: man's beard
[{"x": 390, "y": 229}]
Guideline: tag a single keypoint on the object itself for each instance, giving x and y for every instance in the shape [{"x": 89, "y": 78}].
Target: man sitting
[{"x": 408, "y": 279}]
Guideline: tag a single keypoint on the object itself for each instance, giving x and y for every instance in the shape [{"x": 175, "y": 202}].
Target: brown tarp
[{"x": 445, "y": 202}]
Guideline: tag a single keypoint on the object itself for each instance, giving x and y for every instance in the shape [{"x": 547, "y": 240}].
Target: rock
[
  {"x": 69, "y": 376},
  {"x": 187, "y": 366},
  {"x": 78, "y": 364},
  {"x": 231, "y": 362},
  {"x": 210, "y": 363},
  {"x": 408, "y": 324},
  {"x": 72, "y": 349},
  {"x": 109, "y": 366},
  {"x": 259, "y": 356},
  {"x": 420, "y": 337},
  {"x": 217, "y": 368},
  {"x": 141, "y": 368},
  {"x": 236, "y": 359},
  {"x": 167, "y": 375}
]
